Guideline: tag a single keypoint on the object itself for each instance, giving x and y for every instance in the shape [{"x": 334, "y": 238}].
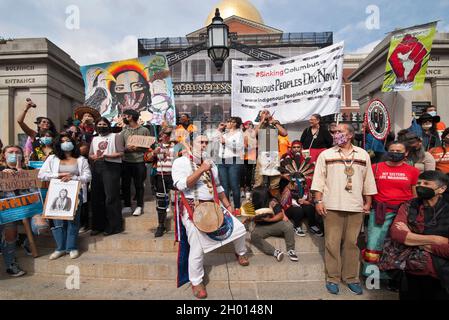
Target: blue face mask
[
  {"x": 67, "y": 146},
  {"x": 433, "y": 113},
  {"x": 11, "y": 158},
  {"x": 46, "y": 140}
]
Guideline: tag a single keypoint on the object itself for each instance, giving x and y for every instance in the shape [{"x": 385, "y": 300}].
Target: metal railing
[{"x": 319, "y": 39}]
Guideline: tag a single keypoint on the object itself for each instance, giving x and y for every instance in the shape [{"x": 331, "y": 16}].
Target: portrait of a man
[{"x": 62, "y": 203}]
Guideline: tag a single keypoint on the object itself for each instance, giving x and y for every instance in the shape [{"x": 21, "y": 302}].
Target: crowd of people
[{"x": 379, "y": 204}]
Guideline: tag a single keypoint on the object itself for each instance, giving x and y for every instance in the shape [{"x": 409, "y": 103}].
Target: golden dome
[{"x": 240, "y": 8}]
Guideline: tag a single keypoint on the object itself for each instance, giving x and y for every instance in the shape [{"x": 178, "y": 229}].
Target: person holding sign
[
  {"x": 268, "y": 131},
  {"x": 67, "y": 164},
  {"x": 13, "y": 160},
  {"x": 133, "y": 162},
  {"x": 106, "y": 153}
]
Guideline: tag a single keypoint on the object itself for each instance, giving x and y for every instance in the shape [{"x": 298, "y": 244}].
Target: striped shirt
[
  {"x": 165, "y": 158},
  {"x": 330, "y": 179}
]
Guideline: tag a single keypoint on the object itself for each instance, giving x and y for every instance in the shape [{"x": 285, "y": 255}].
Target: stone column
[
  {"x": 226, "y": 69},
  {"x": 7, "y": 115},
  {"x": 208, "y": 71},
  {"x": 189, "y": 71},
  {"x": 440, "y": 97},
  {"x": 183, "y": 71}
]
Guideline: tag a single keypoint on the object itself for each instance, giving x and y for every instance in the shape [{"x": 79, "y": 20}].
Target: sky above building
[{"x": 106, "y": 30}]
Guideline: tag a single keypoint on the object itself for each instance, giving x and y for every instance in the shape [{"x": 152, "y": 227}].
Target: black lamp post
[{"x": 217, "y": 42}]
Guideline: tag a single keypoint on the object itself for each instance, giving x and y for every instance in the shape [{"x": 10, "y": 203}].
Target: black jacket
[
  {"x": 324, "y": 140},
  {"x": 437, "y": 224}
]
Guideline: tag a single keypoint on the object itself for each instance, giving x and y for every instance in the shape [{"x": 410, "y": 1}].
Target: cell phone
[{"x": 33, "y": 105}]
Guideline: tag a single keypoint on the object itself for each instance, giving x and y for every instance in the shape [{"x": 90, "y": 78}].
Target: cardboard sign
[
  {"x": 141, "y": 141},
  {"x": 24, "y": 179},
  {"x": 20, "y": 207}
]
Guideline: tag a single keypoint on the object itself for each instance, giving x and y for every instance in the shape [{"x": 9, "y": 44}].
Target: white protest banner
[{"x": 292, "y": 88}]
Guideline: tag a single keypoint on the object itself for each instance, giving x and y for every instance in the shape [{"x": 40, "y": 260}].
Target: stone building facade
[{"x": 36, "y": 69}]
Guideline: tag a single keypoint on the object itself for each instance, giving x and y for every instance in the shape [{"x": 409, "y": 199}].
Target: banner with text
[
  {"x": 408, "y": 58},
  {"x": 292, "y": 88}
]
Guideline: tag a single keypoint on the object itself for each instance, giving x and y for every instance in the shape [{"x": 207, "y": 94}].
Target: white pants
[{"x": 196, "y": 255}]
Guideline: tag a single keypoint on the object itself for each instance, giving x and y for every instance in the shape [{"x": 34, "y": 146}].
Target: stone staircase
[{"x": 135, "y": 265}]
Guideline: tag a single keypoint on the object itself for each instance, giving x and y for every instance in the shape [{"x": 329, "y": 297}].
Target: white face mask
[
  {"x": 433, "y": 113},
  {"x": 426, "y": 126}
]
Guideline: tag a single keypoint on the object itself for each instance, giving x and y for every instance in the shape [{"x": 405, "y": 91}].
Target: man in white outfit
[{"x": 191, "y": 177}]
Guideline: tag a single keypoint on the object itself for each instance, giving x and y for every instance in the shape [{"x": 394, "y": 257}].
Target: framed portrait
[{"x": 62, "y": 200}]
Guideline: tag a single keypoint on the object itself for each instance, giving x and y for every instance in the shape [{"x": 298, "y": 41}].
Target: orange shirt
[
  {"x": 284, "y": 144},
  {"x": 183, "y": 135},
  {"x": 441, "y": 126},
  {"x": 441, "y": 159}
]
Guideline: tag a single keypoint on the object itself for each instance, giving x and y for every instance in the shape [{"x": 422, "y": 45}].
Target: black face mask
[
  {"x": 395, "y": 156},
  {"x": 126, "y": 121},
  {"x": 103, "y": 130},
  {"x": 425, "y": 193}
]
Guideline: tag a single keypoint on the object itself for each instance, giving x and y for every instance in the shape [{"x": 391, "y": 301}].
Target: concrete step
[
  {"x": 138, "y": 241},
  {"x": 163, "y": 266},
  {"x": 39, "y": 287}
]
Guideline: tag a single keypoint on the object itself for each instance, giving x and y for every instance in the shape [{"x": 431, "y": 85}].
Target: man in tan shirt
[{"x": 343, "y": 184}]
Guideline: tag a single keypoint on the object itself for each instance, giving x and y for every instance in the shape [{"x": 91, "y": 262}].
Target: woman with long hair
[
  {"x": 67, "y": 165},
  {"x": 316, "y": 138},
  {"x": 396, "y": 183},
  {"x": 231, "y": 152},
  {"x": 106, "y": 153},
  {"x": 44, "y": 124}
]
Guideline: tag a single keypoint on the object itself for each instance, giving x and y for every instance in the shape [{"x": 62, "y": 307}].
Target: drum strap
[{"x": 186, "y": 204}]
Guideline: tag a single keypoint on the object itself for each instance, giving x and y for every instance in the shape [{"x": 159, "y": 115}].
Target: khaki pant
[
  {"x": 278, "y": 229},
  {"x": 258, "y": 179},
  {"x": 342, "y": 255}
]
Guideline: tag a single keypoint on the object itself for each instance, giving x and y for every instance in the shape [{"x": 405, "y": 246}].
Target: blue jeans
[
  {"x": 65, "y": 232},
  {"x": 230, "y": 180},
  {"x": 8, "y": 247}
]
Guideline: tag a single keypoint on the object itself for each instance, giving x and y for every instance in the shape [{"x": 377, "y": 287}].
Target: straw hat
[{"x": 81, "y": 110}]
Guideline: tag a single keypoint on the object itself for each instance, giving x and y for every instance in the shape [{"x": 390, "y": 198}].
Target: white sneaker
[
  {"x": 137, "y": 212},
  {"x": 127, "y": 210},
  {"x": 57, "y": 254},
  {"x": 74, "y": 254},
  {"x": 279, "y": 255}
]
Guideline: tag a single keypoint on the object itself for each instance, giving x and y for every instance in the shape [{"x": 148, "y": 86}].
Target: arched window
[
  {"x": 197, "y": 112},
  {"x": 216, "y": 113}
]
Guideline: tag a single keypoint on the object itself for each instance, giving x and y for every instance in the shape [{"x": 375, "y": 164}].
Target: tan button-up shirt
[{"x": 330, "y": 179}]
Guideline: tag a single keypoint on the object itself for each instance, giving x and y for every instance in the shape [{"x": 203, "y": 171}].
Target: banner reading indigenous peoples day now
[
  {"x": 408, "y": 58},
  {"x": 292, "y": 88}
]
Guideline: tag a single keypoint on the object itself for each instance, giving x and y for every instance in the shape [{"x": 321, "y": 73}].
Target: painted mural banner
[
  {"x": 143, "y": 84},
  {"x": 408, "y": 58},
  {"x": 292, "y": 88}
]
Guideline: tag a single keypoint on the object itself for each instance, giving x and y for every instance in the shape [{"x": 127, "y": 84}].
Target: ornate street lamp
[{"x": 217, "y": 41}]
